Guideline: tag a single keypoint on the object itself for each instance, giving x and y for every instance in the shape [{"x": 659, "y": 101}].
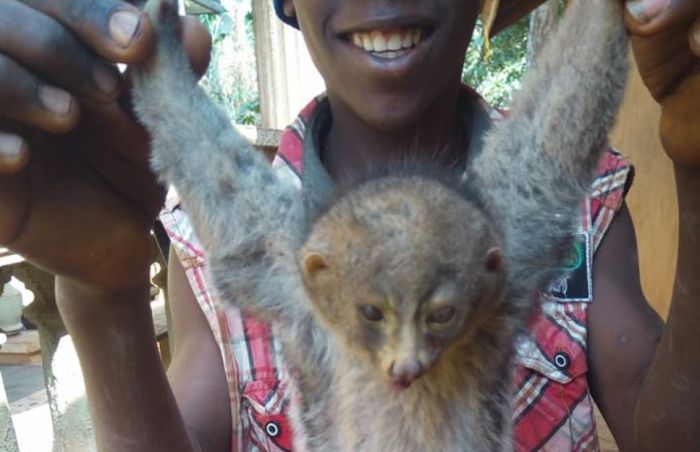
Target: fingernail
[
  {"x": 55, "y": 100},
  {"x": 106, "y": 78},
  {"x": 123, "y": 26},
  {"x": 10, "y": 146},
  {"x": 645, "y": 11}
]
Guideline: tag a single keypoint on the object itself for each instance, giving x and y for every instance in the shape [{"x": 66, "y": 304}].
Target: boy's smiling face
[{"x": 387, "y": 61}]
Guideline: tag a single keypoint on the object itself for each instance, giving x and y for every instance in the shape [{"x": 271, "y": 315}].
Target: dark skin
[{"x": 82, "y": 204}]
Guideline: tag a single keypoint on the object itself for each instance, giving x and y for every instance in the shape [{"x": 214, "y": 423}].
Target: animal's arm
[
  {"x": 538, "y": 163},
  {"x": 249, "y": 220}
]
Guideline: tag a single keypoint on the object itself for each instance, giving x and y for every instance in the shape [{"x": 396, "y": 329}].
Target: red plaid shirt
[{"x": 553, "y": 409}]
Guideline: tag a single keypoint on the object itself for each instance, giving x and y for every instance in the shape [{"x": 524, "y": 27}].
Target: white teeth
[
  {"x": 390, "y": 55},
  {"x": 367, "y": 43},
  {"x": 388, "y": 45},
  {"x": 357, "y": 40},
  {"x": 394, "y": 42},
  {"x": 378, "y": 41}
]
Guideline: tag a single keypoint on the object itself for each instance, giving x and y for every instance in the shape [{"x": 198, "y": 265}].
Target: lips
[
  {"x": 387, "y": 44},
  {"x": 392, "y": 48}
]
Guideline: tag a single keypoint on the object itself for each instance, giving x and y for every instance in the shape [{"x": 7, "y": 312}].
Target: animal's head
[{"x": 402, "y": 270}]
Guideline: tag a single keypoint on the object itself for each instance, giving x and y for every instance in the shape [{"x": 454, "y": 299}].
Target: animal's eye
[
  {"x": 372, "y": 313},
  {"x": 442, "y": 315}
]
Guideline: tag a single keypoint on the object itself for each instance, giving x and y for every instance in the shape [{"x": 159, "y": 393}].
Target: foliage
[
  {"x": 497, "y": 75},
  {"x": 231, "y": 79}
]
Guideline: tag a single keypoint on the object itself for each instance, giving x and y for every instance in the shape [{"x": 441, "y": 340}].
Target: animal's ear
[
  {"x": 312, "y": 264},
  {"x": 495, "y": 260}
]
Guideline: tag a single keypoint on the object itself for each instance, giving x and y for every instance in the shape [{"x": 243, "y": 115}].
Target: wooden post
[{"x": 287, "y": 78}]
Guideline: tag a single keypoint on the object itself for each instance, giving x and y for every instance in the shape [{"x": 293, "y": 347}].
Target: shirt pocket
[
  {"x": 551, "y": 403},
  {"x": 556, "y": 345},
  {"x": 265, "y": 411}
]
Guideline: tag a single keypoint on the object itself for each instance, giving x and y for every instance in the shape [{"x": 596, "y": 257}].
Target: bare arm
[
  {"x": 667, "y": 414},
  {"x": 623, "y": 332},
  {"x": 196, "y": 373},
  {"x": 646, "y": 377},
  {"x": 131, "y": 403},
  {"x": 133, "y": 407},
  {"x": 80, "y": 204},
  {"x": 659, "y": 409}
]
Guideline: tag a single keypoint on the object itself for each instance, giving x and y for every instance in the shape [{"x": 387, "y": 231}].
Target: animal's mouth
[
  {"x": 401, "y": 385},
  {"x": 388, "y": 44}
]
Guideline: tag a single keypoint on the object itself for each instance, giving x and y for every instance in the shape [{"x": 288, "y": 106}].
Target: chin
[{"x": 392, "y": 115}]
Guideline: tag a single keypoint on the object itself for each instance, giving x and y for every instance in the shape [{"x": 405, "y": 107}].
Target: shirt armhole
[{"x": 614, "y": 177}]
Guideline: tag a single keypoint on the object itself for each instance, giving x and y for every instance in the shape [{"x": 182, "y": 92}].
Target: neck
[{"x": 352, "y": 147}]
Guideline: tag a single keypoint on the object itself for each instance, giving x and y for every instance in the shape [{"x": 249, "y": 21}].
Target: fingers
[
  {"x": 50, "y": 51},
  {"x": 680, "y": 134},
  {"x": 197, "y": 42},
  {"x": 14, "y": 154},
  {"x": 114, "y": 29},
  {"x": 28, "y": 100},
  {"x": 650, "y": 17},
  {"x": 119, "y": 31},
  {"x": 695, "y": 38},
  {"x": 55, "y": 62}
]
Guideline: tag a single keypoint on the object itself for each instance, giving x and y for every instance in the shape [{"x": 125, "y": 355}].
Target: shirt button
[
  {"x": 272, "y": 429},
  {"x": 562, "y": 361}
]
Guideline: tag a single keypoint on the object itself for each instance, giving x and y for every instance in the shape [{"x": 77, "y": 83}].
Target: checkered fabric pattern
[{"x": 553, "y": 409}]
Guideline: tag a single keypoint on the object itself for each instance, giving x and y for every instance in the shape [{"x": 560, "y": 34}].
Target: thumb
[{"x": 653, "y": 17}]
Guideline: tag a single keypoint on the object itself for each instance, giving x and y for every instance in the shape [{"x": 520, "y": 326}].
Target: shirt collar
[{"x": 316, "y": 182}]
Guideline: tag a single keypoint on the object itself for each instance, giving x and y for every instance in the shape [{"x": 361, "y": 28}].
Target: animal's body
[{"x": 399, "y": 307}]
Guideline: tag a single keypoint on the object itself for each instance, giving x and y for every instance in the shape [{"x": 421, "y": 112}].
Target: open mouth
[
  {"x": 388, "y": 44},
  {"x": 401, "y": 385}
]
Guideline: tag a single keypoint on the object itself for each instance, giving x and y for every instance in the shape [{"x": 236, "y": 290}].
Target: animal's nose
[{"x": 405, "y": 371}]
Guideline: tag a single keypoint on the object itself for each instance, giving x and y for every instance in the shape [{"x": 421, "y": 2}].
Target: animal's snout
[{"x": 405, "y": 371}]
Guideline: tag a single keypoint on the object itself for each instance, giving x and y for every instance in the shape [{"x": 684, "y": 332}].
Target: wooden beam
[
  {"x": 287, "y": 78},
  {"x": 195, "y": 7},
  {"x": 510, "y": 11}
]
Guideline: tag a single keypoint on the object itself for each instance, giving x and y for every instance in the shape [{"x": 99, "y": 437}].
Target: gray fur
[
  {"x": 531, "y": 176},
  {"x": 538, "y": 164}
]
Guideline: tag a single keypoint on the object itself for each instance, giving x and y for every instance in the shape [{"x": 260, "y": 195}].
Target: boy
[{"x": 95, "y": 176}]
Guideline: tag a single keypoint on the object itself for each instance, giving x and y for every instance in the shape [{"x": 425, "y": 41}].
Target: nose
[{"x": 405, "y": 371}]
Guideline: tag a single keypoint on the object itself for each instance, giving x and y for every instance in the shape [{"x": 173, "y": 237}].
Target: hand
[
  {"x": 76, "y": 195},
  {"x": 666, "y": 43}
]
